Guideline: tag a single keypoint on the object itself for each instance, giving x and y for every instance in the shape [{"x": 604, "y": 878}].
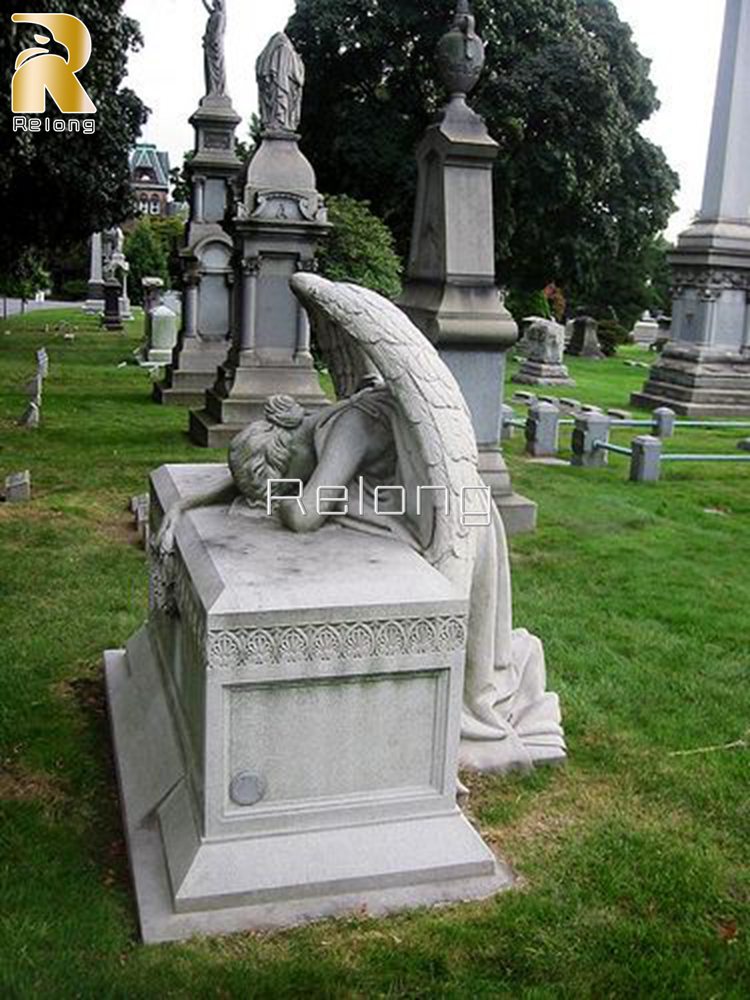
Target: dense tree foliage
[
  {"x": 578, "y": 189},
  {"x": 57, "y": 188},
  {"x": 360, "y": 248},
  {"x": 147, "y": 256}
]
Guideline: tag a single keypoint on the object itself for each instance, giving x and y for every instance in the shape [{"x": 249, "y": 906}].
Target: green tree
[
  {"x": 63, "y": 186},
  {"x": 26, "y": 276},
  {"x": 170, "y": 232},
  {"x": 146, "y": 255},
  {"x": 630, "y": 285},
  {"x": 360, "y": 248},
  {"x": 564, "y": 93}
]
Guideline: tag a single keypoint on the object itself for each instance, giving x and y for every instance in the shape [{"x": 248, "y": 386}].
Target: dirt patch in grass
[{"x": 20, "y": 785}]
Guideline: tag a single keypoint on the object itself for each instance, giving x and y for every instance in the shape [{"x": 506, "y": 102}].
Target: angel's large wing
[{"x": 438, "y": 432}]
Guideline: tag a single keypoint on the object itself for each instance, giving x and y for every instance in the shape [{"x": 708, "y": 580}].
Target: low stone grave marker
[{"x": 18, "y": 487}]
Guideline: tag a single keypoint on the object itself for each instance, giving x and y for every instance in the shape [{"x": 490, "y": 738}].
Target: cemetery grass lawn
[{"x": 633, "y": 861}]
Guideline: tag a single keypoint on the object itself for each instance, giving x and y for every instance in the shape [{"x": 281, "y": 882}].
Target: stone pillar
[
  {"x": 705, "y": 369},
  {"x": 664, "y": 420},
  {"x": 543, "y": 430},
  {"x": 207, "y": 318},
  {"x": 95, "y": 301},
  {"x": 590, "y": 428},
  {"x": 248, "y": 331},
  {"x": 112, "y": 302},
  {"x": 450, "y": 291},
  {"x": 645, "y": 462}
]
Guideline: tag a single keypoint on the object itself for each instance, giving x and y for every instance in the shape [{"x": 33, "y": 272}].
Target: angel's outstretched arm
[
  {"x": 209, "y": 7},
  {"x": 164, "y": 541}
]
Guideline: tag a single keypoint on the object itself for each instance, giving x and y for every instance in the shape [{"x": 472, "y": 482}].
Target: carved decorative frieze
[{"x": 243, "y": 648}]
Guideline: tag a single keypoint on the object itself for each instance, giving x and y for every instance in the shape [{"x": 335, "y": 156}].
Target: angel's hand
[{"x": 164, "y": 541}]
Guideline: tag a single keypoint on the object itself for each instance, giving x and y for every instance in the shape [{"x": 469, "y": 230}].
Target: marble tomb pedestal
[{"x": 286, "y": 726}]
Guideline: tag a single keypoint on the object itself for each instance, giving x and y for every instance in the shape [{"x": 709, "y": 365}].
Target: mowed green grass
[{"x": 634, "y": 861}]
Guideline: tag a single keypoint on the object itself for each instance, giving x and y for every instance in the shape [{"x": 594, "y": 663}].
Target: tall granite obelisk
[
  {"x": 450, "y": 291},
  {"x": 208, "y": 273},
  {"x": 705, "y": 370},
  {"x": 279, "y": 224}
]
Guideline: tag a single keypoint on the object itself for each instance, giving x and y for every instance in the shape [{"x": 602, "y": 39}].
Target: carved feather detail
[{"x": 360, "y": 332}]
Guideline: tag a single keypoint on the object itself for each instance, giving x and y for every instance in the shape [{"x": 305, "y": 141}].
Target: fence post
[
  {"x": 542, "y": 430},
  {"x": 590, "y": 428},
  {"x": 645, "y": 463},
  {"x": 664, "y": 419},
  {"x": 507, "y": 428}
]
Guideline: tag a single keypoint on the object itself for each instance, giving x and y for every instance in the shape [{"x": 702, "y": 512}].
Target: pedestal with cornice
[
  {"x": 705, "y": 370},
  {"x": 279, "y": 224},
  {"x": 450, "y": 292},
  {"x": 208, "y": 273}
]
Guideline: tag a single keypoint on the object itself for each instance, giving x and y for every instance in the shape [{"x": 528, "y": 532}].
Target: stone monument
[
  {"x": 450, "y": 291},
  {"x": 646, "y": 331},
  {"x": 279, "y": 224},
  {"x": 207, "y": 256},
  {"x": 705, "y": 370},
  {"x": 116, "y": 267},
  {"x": 112, "y": 318},
  {"x": 544, "y": 345},
  {"x": 584, "y": 342},
  {"x": 162, "y": 338},
  {"x": 95, "y": 302},
  {"x": 289, "y": 724}
]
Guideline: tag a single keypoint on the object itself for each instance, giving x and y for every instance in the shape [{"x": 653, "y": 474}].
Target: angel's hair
[{"x": 262, "y": 451}]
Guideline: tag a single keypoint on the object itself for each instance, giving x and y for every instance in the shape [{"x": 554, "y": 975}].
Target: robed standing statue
[{"x": 213, "y": 47}]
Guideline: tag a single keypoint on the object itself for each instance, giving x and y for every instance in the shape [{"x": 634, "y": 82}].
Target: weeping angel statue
[
  {"x": 213, "y": 47},
  {"x": 401, "y": 420}
]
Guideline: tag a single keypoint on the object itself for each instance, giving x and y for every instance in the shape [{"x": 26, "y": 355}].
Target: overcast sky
[{"x": 681, "y": 37}]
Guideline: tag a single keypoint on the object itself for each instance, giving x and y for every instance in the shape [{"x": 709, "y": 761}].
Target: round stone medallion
[{"x": 247, "y": 789}]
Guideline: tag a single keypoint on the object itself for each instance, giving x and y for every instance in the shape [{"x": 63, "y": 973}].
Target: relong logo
[{"x": 40, "y": 72}]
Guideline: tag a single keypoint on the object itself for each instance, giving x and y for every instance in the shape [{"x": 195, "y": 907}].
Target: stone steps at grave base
[
  {"x": 208, "y": 432},
  {"x": 172, "y": 396},
  {"x": 655, "y": 396}
]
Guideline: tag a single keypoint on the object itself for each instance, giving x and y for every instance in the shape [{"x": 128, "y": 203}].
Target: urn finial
[{"x": 460, "y": 53}]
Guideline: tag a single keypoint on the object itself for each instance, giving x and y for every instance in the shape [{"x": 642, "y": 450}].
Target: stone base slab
[
  {"x": 274, "y": 881},
  {"x": 192, "y": 371},
  {"x": 697, "y": 410}
]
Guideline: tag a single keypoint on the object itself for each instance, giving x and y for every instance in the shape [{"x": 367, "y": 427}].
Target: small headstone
[
  {"x": 744, "y": 445},
  {"x": 543, "y": 346},
  {"x": 620, "y": 414},
  {"x": 585, "y": 340},
  {"x": 164, "y": 333},
  {"x": 645, "y": 331},
  {"x": 69, "y": 336},
  {"x": 18, "y": 487},
  {"x": 588, "y": 408},
  {"x": 524, "y": 397},
  {"x": 31, "y": 416},
  {"x": 141, "y": 506},
  {"x": 112, "y": 305},
  {"x": 570, "y": 404},
  {"x": 42, "y": 362}
]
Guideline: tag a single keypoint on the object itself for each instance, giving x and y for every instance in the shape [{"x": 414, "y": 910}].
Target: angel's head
[{"x": 264, "y": 449}]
